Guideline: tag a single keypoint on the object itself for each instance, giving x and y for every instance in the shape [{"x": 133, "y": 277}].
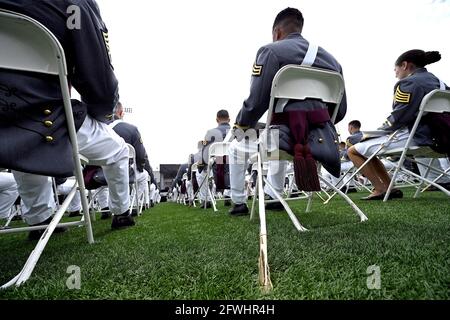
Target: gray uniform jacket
[
  {"x": 214, "y": 135},
  {"x": 408, "y": 95},
  {"x": 354, "y": 139},
  {"x": 131, "y": 135},
  {"x": 33, "y": 134},
  {"x": 269, "y": 60}
]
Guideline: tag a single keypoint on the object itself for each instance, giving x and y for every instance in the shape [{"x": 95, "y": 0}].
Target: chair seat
[{"x": 415, "y": 151}]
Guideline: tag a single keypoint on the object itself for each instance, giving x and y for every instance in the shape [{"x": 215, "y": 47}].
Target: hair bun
[{"x": 432, "y": 57}]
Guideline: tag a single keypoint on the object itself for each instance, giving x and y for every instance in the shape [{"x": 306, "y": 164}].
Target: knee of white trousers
[
  {"x": 7, "y": 199},
  {"x": 37, "y": 196}
]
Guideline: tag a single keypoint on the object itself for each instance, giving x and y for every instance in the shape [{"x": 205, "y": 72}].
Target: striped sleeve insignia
[
  {"x": 106, "y": 41},
  {"x": 257, "y": 70},
  {"x": 402, "y": 97}
]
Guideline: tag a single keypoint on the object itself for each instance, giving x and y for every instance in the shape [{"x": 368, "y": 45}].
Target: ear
[
  {"x": 276, "y": 34},
  {"x": 404, "y": 65}
]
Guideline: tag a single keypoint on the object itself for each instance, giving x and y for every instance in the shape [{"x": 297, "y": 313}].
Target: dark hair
[
  {"x": 355, "y": 124},
  {"x": 289, "y": 18},
  {"x": 419, "y": 58},
  {"x": 223, "y": 114}
]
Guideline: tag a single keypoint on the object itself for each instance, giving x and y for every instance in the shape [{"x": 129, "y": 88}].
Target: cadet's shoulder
[
  {"x": 127, "y": 126},
  {"x": 406, "y": 84},
  {"x": 90, "y": 5}
]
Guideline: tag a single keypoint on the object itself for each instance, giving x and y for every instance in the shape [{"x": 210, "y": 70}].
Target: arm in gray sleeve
[
  {"x": 150, "y": 173},
  {"x": 141, "y": 154},
  {"x": 264, "y": 70},
  {"x": 407, "y": 99},
  {"x": 93, "y": 75}
]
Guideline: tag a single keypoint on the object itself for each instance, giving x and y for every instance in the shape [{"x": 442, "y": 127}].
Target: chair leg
[
  {"x": 212, "y": 200},
  {"x": 419, "y": 187},
  {"x": 84, "y": 203},
  {"x": 310, "y": 201},
  {"x": 427, "y": 181},
  {"x": 255, "y": 195},
  {"x": 358, "y": 211},
  {"x": 263, "y": 265},
  {"x": 294, "y": 219},
  {"x": 32, "y": 260}
]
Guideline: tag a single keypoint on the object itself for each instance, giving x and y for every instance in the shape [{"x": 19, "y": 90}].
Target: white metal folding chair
[
  {"x": 437, "y": 101},
  {"x": 216, "y": 150},
  {"x": 299, "y": 83},
  {"x": 134, "y": 190},
  {"x": 27, "y": 45}
]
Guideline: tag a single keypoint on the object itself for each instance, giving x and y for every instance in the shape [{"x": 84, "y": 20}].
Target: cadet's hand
[{"x": 385, "y": 126}]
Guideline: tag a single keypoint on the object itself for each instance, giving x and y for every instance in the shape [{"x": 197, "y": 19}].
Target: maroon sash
[{"x": 299, "y": 122}]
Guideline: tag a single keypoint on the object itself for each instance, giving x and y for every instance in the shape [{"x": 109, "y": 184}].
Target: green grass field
[{"x": 176, "y": 252}]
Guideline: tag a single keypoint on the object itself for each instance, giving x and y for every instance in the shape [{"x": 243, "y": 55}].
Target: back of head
[
  {"x": 355, "y": 124},
  {"x": 290, "y": 19},
  {"x": 223, "y": 115},
  {"x": 419, "y": 58}
]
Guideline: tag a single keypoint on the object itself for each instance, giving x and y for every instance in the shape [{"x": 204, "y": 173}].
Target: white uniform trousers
[
  {"x": 103, "y": 197},
  {"x": 8, "y": 194},
  {"x": 153, "y": 194},
  {"x": 239, "y": 154},
  {"x": 64, "y": 189},
  {"x": 142, "y": 182},
  {"x": 103, "y": 147}
]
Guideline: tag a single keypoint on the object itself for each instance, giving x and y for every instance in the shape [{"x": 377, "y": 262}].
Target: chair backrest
[
  {"x": 131, "y": 152},
  {"x": 218, "y": 149},
  {"x": 437, "y": 101},
  {"x": 302, "y": 82},
  {"x": 27, "y": 45}
]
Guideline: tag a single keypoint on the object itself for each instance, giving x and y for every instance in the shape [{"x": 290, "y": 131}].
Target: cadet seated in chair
[
  {"x": 130, "y": 133},
  {"x": 220, "y": 168},
  {"x": 414, "y": 83},
  {"x": 288, "y": 47},
  {"x": 34, "y": 141}
]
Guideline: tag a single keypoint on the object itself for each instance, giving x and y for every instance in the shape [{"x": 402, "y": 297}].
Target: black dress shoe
[
  {"x": 276, "y": 206},
  {"x": 75, "y": 214},
  {"x": 239, "y": 210},
  {"x": 122, "y": 221},
  {"x": 17, "y": 218},
  {"x": 36, "y": 234},
  {"x": 227, "y": 202},
  {"x": 443, "y": 185},
  {"x": 134, "y": 213},
  {"x": 106, "y": 214},
  {"x": 396, "y": 194}
]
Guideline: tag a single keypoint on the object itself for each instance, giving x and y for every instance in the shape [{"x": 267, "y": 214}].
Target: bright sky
[{"x": 178, "y": 62}]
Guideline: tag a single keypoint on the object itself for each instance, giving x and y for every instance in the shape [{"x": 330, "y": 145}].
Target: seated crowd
[{"x": 103, "y": 136}]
